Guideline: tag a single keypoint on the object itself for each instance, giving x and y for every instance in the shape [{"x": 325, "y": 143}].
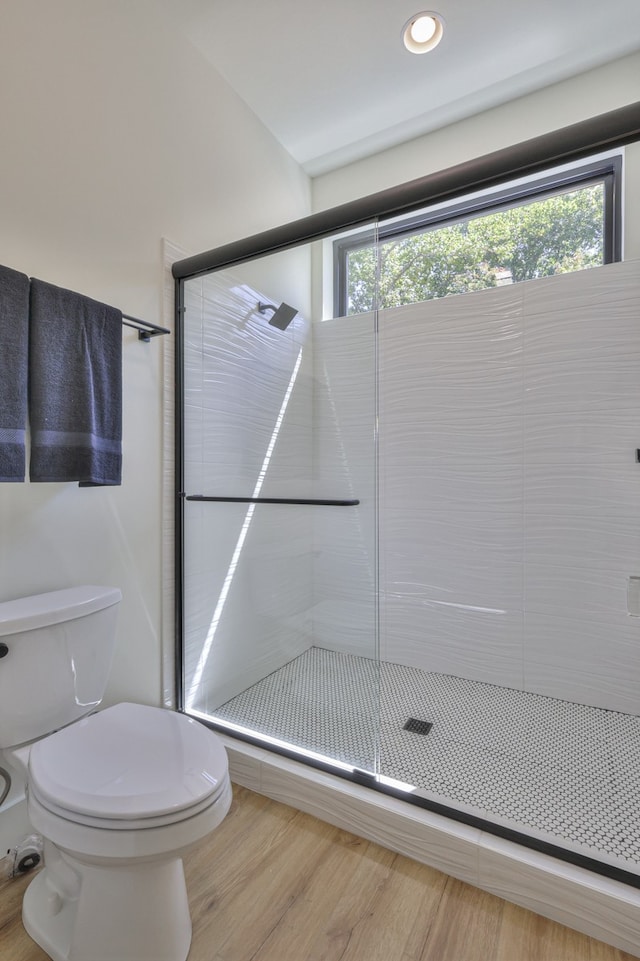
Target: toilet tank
[{"x": 55, "y": 657}]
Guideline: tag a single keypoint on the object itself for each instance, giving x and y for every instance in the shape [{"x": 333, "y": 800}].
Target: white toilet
[{"x": 118, "y": 795}]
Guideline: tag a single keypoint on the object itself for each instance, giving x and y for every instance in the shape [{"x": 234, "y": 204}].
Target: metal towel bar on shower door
[{"x": 273, "y": 500}]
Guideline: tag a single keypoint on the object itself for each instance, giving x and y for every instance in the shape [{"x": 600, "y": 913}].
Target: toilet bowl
[{"x": 118, "y": 795}]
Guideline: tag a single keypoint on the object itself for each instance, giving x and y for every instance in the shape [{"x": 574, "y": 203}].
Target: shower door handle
[{"x": 321, "y": 502}]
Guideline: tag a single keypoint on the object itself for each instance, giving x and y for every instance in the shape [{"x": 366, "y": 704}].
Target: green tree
[{"x": 558, "y": 234}]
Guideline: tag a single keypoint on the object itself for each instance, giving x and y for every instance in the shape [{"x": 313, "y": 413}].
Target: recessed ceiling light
[{"x": 423, "y": 32}]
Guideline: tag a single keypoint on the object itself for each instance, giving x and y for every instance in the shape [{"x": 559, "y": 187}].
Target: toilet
[{"x": 118, "y": 795}]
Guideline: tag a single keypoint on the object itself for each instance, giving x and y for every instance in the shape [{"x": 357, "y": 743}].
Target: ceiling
[{"x": 333, "y": 82}]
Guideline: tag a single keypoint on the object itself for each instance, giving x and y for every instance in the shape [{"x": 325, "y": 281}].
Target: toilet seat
[
  {"x": 129, "y": 767},
  {"x": 120, "y": 824}
]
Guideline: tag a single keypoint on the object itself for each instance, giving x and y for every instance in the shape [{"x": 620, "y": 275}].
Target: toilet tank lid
[{"x": 54, "y": 607}]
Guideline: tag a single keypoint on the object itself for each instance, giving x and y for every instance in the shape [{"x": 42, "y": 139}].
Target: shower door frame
[{"x": 576, "y": 142}]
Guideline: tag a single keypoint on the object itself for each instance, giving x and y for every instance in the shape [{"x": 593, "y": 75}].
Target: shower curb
[{"x": 597, "y": 906}]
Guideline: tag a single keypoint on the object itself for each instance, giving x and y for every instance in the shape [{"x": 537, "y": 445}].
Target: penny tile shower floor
[{"x": 561, "y": 772}]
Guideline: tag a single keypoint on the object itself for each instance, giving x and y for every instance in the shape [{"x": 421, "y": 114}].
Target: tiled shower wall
[
  {"x": 509, "y": 492},
  {"x": 509, "y": 487},
  {"x": 248, "y": 409},
  {"x": 509, "y": 519},
  {"x": 344, "y": 450}
]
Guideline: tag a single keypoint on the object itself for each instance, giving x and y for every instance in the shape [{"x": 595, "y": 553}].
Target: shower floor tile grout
[{"x": 562, "y": 772}]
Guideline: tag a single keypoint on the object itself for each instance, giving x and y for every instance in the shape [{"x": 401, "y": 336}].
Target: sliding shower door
[
  {"x": 279, "y": 632},
  {"x": 410, "y": 539}
]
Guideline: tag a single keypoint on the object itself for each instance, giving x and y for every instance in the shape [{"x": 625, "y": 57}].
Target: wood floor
[{"x": 274, "y": 884}]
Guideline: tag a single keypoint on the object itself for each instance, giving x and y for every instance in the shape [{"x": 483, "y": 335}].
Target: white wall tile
[
  {"x": 451, "y": 454},
  {"x": 604, "y": 379},
  {"x": 248, "y": 567},
  {"x": 485, "y": 645},
  {"x": 485, "y": 325},
  {"x": 583, "y": 463},
  {"x": 345, "y": 624},
  {"x": 344, "y": 415},
  {"x": 473, "y": 557},
  {"x": 451, "y": 403},
  {"x": 344, "y": 538},
  {"x": 579, "y": 564},
  {"x": 581, "y": 321},
  {"x": 582, "y": 484},
  {"x": 508, "y": 481},
  {"x": 588, "y": 658},
  {"x": 463, "y": 462}
]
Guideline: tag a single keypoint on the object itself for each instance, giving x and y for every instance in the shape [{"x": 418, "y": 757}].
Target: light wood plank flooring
[{"x": 274, "y": 884}]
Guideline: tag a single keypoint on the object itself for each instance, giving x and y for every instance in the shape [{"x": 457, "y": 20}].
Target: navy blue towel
[
  {"x": 75, "y": 387},
  {"x": 14, "y": 341}
]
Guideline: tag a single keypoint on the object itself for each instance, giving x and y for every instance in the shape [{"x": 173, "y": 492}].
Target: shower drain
[{"x": 416, "y": 726}]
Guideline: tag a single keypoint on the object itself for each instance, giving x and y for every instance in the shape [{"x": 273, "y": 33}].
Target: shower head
[{"x": 282, "y": 315}]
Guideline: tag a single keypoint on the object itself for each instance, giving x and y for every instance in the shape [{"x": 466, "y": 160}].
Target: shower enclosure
[
  {"x": 279, "y": 512},
  {"x": 409, "y": 539}
]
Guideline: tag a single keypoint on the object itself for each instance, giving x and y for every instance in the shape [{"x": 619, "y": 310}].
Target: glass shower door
[{"x": 279, "y": 535}]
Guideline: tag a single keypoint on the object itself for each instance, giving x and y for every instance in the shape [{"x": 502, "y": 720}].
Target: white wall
[
  {"x": 556, "y": 106},
  {"x": 115, "y": 134}
]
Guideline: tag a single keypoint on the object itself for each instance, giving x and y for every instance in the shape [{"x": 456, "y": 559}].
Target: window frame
[{"x": 606, "y": 170}]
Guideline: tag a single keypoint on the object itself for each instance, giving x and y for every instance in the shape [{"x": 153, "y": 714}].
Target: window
[{"x": 558, "y": 223}]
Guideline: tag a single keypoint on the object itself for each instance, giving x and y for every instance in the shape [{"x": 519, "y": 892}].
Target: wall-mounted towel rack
[{"x": 145, "y": 329}]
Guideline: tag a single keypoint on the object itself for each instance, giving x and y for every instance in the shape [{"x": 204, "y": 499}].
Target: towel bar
[
  {"x": 145, "y": 329},
  {"x": 274, "y": 500}
]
